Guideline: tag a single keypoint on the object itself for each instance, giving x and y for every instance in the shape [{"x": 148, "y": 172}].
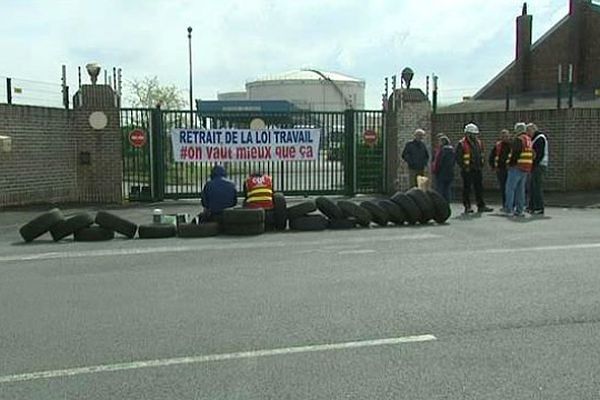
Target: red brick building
[{"x": 575, "y": 40}]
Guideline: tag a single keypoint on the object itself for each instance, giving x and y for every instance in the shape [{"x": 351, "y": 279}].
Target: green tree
[{"x": 148, "y": 93}]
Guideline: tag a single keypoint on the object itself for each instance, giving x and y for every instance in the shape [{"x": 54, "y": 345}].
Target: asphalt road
[{"x": 511, "y": 310}]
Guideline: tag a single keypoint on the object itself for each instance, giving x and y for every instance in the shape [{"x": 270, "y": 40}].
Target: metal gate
[{"x": 349, "y": 162}]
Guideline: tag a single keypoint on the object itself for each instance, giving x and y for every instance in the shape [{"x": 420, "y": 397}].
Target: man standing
[
  {"x": 498, "y": 159},
  {"x": 540, "y": 165},
  {"x": 416, "y": 156},
  {"x": 218, "y": 194},
  {"x": 469, "y": 157},
  {"x": 519, "y": 167}
]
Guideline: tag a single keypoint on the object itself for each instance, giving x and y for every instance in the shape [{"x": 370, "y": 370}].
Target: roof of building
[
  {"x": 309, "y": 74},
  {"x": 519, "y": 103},
  {"x": 219, "y": 106}
]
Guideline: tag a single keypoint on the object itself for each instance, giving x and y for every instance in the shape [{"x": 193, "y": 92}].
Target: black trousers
[
  {"x": 536, "y": 192},
  {"x": 475, "y": 179},
  {"x": 502, "y": 174}
]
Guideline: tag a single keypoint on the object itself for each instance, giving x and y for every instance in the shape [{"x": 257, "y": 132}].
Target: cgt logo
[{"x": 258, "y": 180}]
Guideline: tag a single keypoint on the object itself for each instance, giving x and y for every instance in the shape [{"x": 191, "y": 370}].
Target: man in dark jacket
[
  {"x": 416, "y": 156},
  {"x": 498, "y": 161},
  {"x": 470, "y": 159},
  {"x": 540, "y": 165},
  {"x": 443, "y": 167},
  {"x": 218, "y": 194}
]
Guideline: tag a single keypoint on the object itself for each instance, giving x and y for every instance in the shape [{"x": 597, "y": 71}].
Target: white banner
[{"x": 198, "y": 145}]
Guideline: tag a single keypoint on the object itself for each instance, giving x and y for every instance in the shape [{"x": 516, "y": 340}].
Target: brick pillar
[
  {"x": 412, "y": 111},
  {"x": 99, "y": 151}
]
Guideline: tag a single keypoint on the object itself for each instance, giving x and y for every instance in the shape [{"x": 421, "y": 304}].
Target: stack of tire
[
  {"x": 412, "y": 207},
  {"x": 422, "y": 207},
  {"x": 243, "y": 221},
  {"x": 303, "y": 217},
  {"x": 83, "y": 226}
]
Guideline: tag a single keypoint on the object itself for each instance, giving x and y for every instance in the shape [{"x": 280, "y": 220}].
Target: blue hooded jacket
[{"x": 219, "y": 193}]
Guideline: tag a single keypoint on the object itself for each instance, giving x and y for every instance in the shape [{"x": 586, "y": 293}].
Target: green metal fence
[{"x": 346, "y": 164}]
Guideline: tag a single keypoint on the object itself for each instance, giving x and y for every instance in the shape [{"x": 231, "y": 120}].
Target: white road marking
[
  {"x": 364, "y": 251},
  {"x": 213, "y": 246},
  {"x": 211, "y": 358},
  {"x": 582, "y": 246}
]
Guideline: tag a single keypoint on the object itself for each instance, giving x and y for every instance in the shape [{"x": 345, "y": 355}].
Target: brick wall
[
  {"x": 592, "y": 57},
  {"x": 44, "y": 165},
  {"x": 574, "y": 137}
]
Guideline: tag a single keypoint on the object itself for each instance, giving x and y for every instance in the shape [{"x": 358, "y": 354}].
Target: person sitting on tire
[
  {"x": 218, "y": 194},
  {"x": 258, "y": 190}
]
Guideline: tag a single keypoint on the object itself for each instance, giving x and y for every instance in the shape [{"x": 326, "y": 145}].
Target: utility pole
[{"x": 189, "y": 29}]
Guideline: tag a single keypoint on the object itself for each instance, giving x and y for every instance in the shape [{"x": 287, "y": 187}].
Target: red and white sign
[
  {"x": 137, "y": 138},
  {"x": 370, "y": 137}
]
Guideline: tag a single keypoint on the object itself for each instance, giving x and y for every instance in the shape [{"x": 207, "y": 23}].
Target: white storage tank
[{"x": 311, "y": 89}]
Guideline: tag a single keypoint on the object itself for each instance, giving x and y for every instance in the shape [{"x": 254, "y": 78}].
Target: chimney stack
[{"x": 524, "y": 28}]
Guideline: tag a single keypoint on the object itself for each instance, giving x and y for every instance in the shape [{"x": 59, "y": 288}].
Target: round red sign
[
  {"x": 370, "y": 137},
  {"x": 137, "y": 138}
]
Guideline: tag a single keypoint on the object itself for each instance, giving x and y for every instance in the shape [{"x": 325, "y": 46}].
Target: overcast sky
[{"x": 465, "y": 42}]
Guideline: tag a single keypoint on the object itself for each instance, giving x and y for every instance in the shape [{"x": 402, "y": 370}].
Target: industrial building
[{"x": 307, "y": 89}]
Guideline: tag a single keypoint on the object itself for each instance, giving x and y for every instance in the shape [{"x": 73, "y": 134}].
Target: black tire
[
  {"x": 378, "y": 214},
  {"x": 116, "y": 223},
  {"x": 280, "y": 211},
  {"x": 424, "y": 203},
  {"x": 341, "y": 224},
  {"x": 350, "y": 209},
  {"x": 411, "y": 210},
  {"x": 41, "y": 224},
  {"x": 309, "y": 223},
  {"x": 441, "y": 206},
  {"x": 302, "y": 209},
  {"x": 198, "y": 230},
  {"x": 244, "y": 230},
  {"x": 269, "y": 220},
  {"x": 395, "y": 212},
  {"x": 93, "y": 234},
  {"x": 157, "y": 231},
  {"x": 329, "y": 208},
  {"x": 71, "y": 225},
  {"x": 243, "y": 216}
]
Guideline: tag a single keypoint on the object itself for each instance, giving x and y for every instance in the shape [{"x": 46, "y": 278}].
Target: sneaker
[
  {"x": 484, "y": 209},
  {"x": 537, "y": 212},
  {"x": 519, "y": 215},
  {"x": 468, "y": 210}
]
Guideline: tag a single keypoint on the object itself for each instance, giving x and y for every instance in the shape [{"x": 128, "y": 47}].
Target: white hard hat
[
  {"x": 471, "y": 128},
  {"x": 520, "y": 127}
]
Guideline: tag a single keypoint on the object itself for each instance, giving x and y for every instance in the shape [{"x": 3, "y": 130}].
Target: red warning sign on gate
[
  {"x": 370, "y": 137},
  {"x": 137, "y": 138}
]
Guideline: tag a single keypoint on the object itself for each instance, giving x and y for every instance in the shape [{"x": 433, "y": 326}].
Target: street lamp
[{"x": 189, "y": 29}]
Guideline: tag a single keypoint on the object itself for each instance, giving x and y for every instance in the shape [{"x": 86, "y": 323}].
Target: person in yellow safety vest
[
  {"x": 498, "y": 160},
  {"x": 258, "y": 189},
  {"x": 519, "y": 167},
  {"x": 470, "y": 159}
]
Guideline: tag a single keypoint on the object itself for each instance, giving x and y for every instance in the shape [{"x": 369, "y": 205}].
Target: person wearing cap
[
  {"x": 258, "y": 190},
  {"x": 416, "y": 156},
  {"x": 520, "y": 164},
  {"x": 443, "y": 167},
  {"x": 540, "y": 165},
  {"x": 498, "y": 159},
  {"x": 217, "y": 194},
  {"x": 470, "y": 159}
]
